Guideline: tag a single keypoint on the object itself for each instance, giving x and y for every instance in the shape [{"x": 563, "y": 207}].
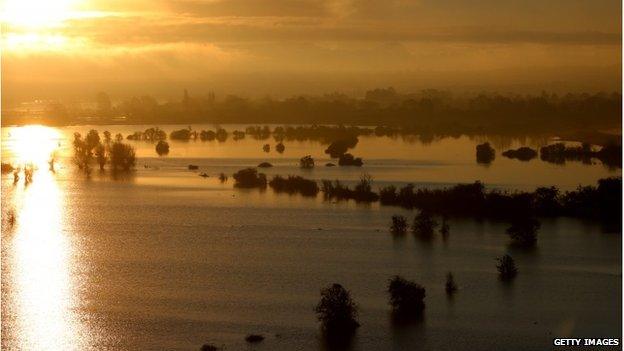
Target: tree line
[{"x": 429, "y": 111}]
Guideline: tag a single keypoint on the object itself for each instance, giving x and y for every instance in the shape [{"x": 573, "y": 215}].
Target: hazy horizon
[{"x": 73, "y": 49}]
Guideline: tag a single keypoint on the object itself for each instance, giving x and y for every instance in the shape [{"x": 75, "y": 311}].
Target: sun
[{"x": 36, "y": 14}]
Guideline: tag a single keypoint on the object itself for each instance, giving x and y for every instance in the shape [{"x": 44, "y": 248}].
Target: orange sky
[{"x": 61, "y": 48}]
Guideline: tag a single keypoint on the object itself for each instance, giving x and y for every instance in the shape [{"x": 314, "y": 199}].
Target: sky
[{"x": 75, "y": 48}]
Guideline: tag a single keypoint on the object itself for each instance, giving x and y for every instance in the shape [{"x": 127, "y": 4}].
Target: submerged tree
[
  {"x": 250, "y": 178},
  {"x": 100, "y": 155},
  {"x": 122, "y": 156},
  {"x": 485, "y": 153},
  {"x": 280, "y": 147},
  {"x": 523, "y": 231},
  {"x": 424, "y": 225},
  {"x": 162, "y": 148},
  {"x": 82, "y": 152},
  {"x": 336, "y": 311},
  {"x": 399, "y": 224},
  {"x": 406, "y": 297},
  {"x": 506, "y": 268}
]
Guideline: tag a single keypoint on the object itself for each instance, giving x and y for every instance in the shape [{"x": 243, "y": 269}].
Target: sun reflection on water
[
  {"x": 31, "y": 145},
  {"x": 42, "y": 291}
]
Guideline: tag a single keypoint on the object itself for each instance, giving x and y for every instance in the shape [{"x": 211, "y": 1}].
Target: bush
[
  {"x": 122, "y": 156},
  {"x": 339, "y": 147},
  {"x": 506, "y": 267},
  {"x": 280, "y": 147},
  {"x": 306, "y": 162},
  {"x": 349, "y": 160},
  {"x": 294, "y": 184},
  {"x": 361, "y": 193},
  {"x": 336, "y": 311},
  {"x": 249, "y": 178},
  {"x": 424, "y": 224},
  {"x": 266, "y": 148},
  {"x": 221, "y": 135},
  {"x": 399, "y": 224},
  {"x": 153, "y": 134},
  {"x": 523, "y": 231},
  {"x": 162, "y": 147},
  {"x": 406, "y": 297},
  {"x": 522, "y": 154},
  {"x": 265, "y": 165},
  {"x": 182, "y": 134},
  {"x": 388, "y": 195},
  {"x": 485, "y": 153},
  {"x": 207, "y": 135}
]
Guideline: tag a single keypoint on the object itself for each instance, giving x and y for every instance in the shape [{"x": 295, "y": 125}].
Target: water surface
[{"x": 165, "y": 259}]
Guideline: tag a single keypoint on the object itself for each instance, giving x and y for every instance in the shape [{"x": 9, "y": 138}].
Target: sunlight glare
[
  {"x": 32, "y": 144},
  {"x": 40, "y": 270},
  {"x": 37, "y": 13}
]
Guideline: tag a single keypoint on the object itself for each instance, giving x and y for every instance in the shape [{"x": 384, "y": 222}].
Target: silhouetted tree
[
  {"x": 221, "y": 135},
  {"x": 250, "y": 178},
  {"x": 280, "y": 147},
  {"x": 207, "y": 135},
  {"x": 266, "y": 148},
  {"x": 162, "y": 147},
  {"x": 92, "y": 139},
  {"x": 100, "y": 155},
  {"x": 485, "y": 153},
  {"x": 349, "y": 160},
  {"x": 339, "y": 147},
  {"x": 406, "y": 297},
  {"x": 399, "y": 224},
  {"x": 506, "y": 267},
  {"x": 107, "y": 137},
  {"x": 523, "y": 231},
  {"x": 424, "y": 225},
  {"x": 181, "y": 134},
  {"x": 294, "y": 184},
  {"x": 122, "y": 156},
  {"x": 336, "y": 311},
  {"x": 82, "y": 152},
  {"x": 522, "y": 154}
]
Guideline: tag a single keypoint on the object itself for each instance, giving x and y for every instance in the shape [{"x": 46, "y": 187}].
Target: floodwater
[{"x": 163, "y": 259}]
